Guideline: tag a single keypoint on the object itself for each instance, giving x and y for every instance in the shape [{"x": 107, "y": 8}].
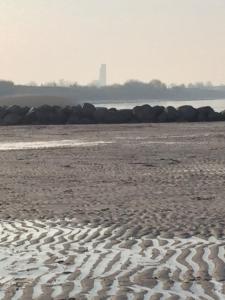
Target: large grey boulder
[
  {"x": 204, "y": 113},
  {"x": 187, "y": 113},
  {"x": 12, "y": 119},
  {"x": 30, "y": 117},
  {"x": 146, "y": 113},
  {"x": 101, "y": 115},
  {"x": 14, "y": 115},
  {"x": 142, "y": 113},
  {"x": 215, "y": 116},
  {"x": 125, "y": 115},
  {"x": 172, "y": 114},
  {"x": 50, "y": 115},
  {"x": 114, "y": 116},
  {"x": 45, "y": 114},
  {"x": 16, "y": 109},
  {"x": 88, "y": 110},
  {"x": 163, "y": 117},
  {"x": 3, "y": 111},
  {"x": 75, "y": 114},
  {"x": 207, "y": 114},
  {"x": 58, "y": 116},
  {"x": 156, "y": 111},
  {"x": 222, "y": 115}
]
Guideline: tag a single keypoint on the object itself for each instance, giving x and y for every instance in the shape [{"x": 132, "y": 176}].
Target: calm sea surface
[{"x": 217, "y": 105}]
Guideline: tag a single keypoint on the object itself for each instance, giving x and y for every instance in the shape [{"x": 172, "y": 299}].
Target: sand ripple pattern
[{"x": 66, "y": 260}]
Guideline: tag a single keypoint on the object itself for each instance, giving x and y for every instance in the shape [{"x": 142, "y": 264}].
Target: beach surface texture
[{"x": 132, "y": 211}]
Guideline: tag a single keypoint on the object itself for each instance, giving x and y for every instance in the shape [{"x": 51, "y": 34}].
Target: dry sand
[
  {"x": 112, "y": 212},
  {"x": 157, "y": 178}
]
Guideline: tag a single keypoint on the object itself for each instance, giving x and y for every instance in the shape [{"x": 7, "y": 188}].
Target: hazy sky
[{"x": 173, "y": 40}]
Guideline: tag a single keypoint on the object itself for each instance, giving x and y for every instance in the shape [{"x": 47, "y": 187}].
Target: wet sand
[
  {"x": 138, "y": 211},
  {"x": 67, "y": 260}
]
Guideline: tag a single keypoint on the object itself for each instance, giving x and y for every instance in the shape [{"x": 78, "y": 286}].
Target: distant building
[
  {"x": 102, "y": 76},
  {"x": 102, "y": 79}
]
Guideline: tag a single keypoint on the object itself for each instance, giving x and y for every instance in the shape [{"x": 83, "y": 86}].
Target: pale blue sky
[{"x": 173, "y": 40}]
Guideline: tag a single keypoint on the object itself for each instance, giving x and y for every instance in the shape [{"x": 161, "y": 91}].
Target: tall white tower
[{"x": 103, "y": 75}]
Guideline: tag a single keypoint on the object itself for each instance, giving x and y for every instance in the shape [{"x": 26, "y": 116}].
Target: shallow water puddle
[
  {"x": 48, "y": 144},
  {"x": 35, "y": 263}
]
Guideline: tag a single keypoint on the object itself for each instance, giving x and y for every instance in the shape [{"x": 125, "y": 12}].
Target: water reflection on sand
[
  {"x": 66, "y": 260},
  {"x": 47, "y": 144}
]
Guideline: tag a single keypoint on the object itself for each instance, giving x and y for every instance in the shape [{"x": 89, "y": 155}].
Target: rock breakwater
[{"x": 89, "y": 114}]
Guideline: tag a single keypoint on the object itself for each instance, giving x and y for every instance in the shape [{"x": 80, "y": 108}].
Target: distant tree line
[{"x": 131, "y": 90}]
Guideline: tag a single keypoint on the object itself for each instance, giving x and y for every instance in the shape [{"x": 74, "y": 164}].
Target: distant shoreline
[{"x": 131, "y": 90}]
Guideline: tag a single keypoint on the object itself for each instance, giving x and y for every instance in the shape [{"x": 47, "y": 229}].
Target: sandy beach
[{"x": 112, "y": 212}]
